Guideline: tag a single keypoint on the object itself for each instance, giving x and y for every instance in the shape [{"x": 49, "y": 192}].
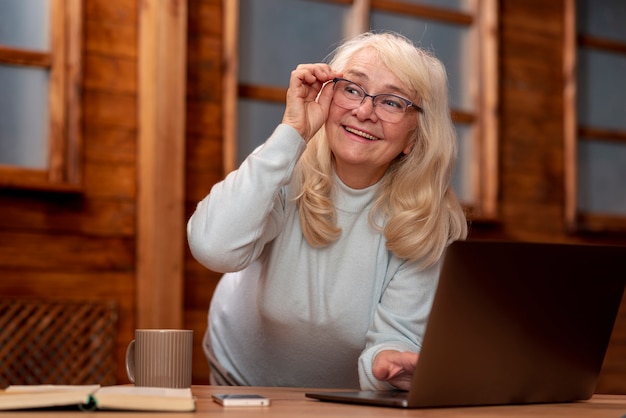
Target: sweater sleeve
[
  {"x": 400, "y": 318},
  {"x": 232, "y": 224}
]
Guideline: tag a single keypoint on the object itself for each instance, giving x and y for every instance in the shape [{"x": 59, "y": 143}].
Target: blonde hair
[{"x": 416, "y": 208}]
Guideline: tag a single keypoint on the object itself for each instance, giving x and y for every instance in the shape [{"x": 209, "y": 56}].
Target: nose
[{"x": 366, "y": 109}]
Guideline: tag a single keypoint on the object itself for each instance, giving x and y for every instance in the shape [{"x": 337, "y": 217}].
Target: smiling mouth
[{"x": 361, "y": 134}]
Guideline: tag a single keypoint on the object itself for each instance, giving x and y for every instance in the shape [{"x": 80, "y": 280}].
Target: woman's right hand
[
  {"x": 395, "y": 367},
  {"x": 304, "y": 111}
]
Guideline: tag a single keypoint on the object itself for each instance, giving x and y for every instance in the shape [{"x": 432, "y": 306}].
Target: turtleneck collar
[{"x": 352, "y": 200}]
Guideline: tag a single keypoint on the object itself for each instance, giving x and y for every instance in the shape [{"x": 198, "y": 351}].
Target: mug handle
[{"x": 130, "y": 361}]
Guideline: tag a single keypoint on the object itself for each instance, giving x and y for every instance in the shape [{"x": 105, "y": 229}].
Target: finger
[
  {"x": 326, "y": 94},
  {"x": 391, "y": 363},
  {"x": 408, "y": 360},
  {"x": 313, "y": 74},
  {"x": 403, "y": 382}
]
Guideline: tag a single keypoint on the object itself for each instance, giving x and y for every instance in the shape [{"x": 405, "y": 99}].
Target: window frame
[
  {"x": 63, "y": 61},
  {"x": 483, "y": 22},
  {"x": 577, "y": 221}
]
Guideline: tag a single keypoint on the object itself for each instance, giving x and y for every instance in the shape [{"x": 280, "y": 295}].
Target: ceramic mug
[{"x": 160, "y": 358}]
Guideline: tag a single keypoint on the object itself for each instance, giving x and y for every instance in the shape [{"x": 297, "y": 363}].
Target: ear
[{"x": 409, "y": 146}]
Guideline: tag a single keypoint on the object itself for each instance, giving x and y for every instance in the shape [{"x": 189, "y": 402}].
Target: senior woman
[{"x": 331, "y": 234}]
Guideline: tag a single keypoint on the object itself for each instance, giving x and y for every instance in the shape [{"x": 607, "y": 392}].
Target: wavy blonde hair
[{"x": 416, "y": 208}]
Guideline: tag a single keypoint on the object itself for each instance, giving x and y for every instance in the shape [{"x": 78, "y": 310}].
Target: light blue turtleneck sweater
[{"x": 288, "y": 314}]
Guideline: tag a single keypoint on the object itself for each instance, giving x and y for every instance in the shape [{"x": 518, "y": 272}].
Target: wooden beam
[
  {"x": 268, "y": 93},
  {"x": 427, "y": 12},
  {"x": 607, "y": 45},
  {"x": 359, "y": 21},
  {"x": 73, "y": 97},
  {"x": 18, "y": 56},
  {"x": 161, "y": 155},
  {"x": 230, "y": 76},
  {"x": 57, "y": 144},
  {"x": 569, "y": 116},
  {"x": 601, "y": 134},
  {"x": 487, "y": 22}
]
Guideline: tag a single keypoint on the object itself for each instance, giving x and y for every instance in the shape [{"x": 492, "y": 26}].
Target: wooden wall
[
  {"x": 531, "y": 195},
  {"x": 83, "y": 246}
]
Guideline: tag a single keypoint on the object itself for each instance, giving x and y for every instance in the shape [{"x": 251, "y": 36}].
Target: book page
[
  {"x": 145, "y": 391},
  {"x": 43, "y": 396},
  {"x": 120, "y": 397},
  {"x": 128, "y": 397},
  {"x": 50, "y": 388}
]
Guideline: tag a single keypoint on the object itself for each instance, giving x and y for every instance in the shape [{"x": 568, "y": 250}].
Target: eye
[
  {"x": 392, "y": 102},
  {"x": 353, "y": 90}
]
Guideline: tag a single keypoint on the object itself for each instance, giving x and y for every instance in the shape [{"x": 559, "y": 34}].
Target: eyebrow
[{"x": 394, "y": 89}]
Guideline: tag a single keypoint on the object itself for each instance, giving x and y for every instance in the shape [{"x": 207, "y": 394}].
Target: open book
[{"x": 92, "y": 397}]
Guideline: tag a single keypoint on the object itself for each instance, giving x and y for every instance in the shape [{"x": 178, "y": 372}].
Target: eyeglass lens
[{"x": 388, "y": 107}]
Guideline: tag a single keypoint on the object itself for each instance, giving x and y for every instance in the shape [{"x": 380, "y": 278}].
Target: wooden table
[{"x": 291, "y": 403}]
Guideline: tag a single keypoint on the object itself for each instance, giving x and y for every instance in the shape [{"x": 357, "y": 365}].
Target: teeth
[{"x": 362, "y": 134}]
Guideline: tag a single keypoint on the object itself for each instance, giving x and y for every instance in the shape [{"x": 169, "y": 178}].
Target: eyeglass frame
[{"x": 409, "y": 104}]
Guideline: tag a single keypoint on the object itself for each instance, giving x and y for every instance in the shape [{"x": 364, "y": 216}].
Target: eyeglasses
[{"x": 388, "y": 107}]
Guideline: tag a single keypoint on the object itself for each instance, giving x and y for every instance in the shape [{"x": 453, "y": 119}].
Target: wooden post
[
  {"x": 161, "y": 157},
  {"x": 231, "y": 38}
]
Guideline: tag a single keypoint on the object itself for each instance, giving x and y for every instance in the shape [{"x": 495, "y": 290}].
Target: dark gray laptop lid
[
  {"x": 516, "y": 323},
  {"x": 519, "y": 323}
]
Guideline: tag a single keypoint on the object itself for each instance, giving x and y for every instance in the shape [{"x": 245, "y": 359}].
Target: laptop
[{"x": 512, "y": 323}]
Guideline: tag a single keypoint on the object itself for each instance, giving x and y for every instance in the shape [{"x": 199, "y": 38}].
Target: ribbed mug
[{"x": 160, "y": 358}]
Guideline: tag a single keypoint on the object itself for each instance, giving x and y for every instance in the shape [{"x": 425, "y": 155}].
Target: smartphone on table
[{"x": 240, "y": 399}]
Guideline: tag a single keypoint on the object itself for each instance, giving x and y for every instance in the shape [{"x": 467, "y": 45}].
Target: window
[
  {"x": 39, "y": 107},
  {"x": 595, "y": 106},
  {"x": 266, "y": 42}
]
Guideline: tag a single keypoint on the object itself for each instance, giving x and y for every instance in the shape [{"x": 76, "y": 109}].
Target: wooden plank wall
[
  {"x": 83, "y": 246},
  {"x": 532, "y": 180}
]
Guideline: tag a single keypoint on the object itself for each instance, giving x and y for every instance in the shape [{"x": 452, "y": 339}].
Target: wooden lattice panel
[{"x": 43, "y": 342}]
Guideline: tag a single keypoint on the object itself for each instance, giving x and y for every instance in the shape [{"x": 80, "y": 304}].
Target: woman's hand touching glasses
[{"x": 308, "y": 101}]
